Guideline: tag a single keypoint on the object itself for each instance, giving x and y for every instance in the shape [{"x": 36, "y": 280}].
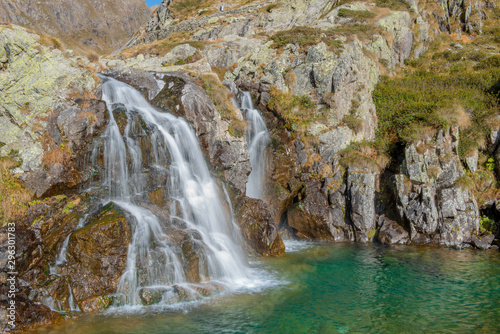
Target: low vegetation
[
  {"x": 296, "y": 112},
  {"x": 14, "y": 198},
  {"x": 357, "y": 15},
  {"x": 426, "y": 99},
  {"x": 364, "y": 155},
  {"x": 306, "y": 37}
]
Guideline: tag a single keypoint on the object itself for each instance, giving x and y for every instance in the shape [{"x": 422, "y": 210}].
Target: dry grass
[
  {"x": 14, "y": 198},
  {"x": 50, "y": 42},
  {"x": 364, "y": 155},
  {"x": 90, "y": 116},
  {"x": 296, "y": 112},
  {"x": 221, "y": 72},
  {"x": 58, "y": 155},
  {"x": 164, "y": 46}
]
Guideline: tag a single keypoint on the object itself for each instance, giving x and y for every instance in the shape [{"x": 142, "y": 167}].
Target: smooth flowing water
[
  {"x": 340, "y": 288},
  {"x": 145, "y": 149},
  {"x": 257, "y": 137}
]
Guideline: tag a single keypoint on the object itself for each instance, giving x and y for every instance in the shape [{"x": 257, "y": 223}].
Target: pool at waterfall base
[{"x": 332, "y": 288}]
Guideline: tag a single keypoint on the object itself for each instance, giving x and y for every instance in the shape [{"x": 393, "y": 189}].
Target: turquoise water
[{"x": 341, "y": 288}]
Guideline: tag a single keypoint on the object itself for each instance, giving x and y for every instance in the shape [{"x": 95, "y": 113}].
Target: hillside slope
[{"x": 98, "y": 25}]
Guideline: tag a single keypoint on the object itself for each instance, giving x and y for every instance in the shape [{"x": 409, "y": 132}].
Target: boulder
[
  {"x": 98, "y": 252},
  {"x": 391, "y": 233},
  {"x": 258, "y": 228},
  {"x": 313, "y": 218},
  {"x": 483, "y": 242}
]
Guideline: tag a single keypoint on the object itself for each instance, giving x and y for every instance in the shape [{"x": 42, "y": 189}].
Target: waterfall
[
  {"x": 257, "y": 137},
  {"x": 192, "y": 237}
]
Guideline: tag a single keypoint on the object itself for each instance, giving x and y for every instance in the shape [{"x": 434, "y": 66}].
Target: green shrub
[{"x": 488, "y": 225}]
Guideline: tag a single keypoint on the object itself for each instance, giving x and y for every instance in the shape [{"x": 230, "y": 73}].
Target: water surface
[{"x": 340, "y": 288}]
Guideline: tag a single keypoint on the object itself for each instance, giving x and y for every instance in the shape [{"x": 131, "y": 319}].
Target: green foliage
[
  {"x": 358, "y": 15},
  {"x": 490, "y": 163},
  {"x": 69, "y": 206},
  {"x": 490, "y": 62},
  {"x": 423, "y": 101},
  {"x": 488, "y": 225}
]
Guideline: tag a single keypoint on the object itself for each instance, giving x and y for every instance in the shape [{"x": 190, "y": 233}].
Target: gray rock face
[
  {"x": 427, "y": 197},
  {"x": 313, "y": 218},
  {"x": 26, "y": 99},
  {"x": 399, "y": 24},
  {"x": 361, "y": 185}
]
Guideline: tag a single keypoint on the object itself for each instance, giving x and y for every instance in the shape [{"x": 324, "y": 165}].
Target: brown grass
[
  {"x": 92, "y": 118},
  {"x": 363, "y": 155},
  {"x": 14, "y": 198},
  {"x": 221, "y": 72},
  {"x": 50, "y": 42},
  {"x": 59, "y": 155}
]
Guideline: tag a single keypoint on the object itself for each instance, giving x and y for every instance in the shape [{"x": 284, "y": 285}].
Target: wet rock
[
  {"x": 98, "y": 252},
  {"x": 143, "y": 81},
  {"x": 483, "y": 242},
  {"x": 391, "y": 232},
  {"x": 95, "y": 303},
  {"x": 150, "y": 296},
  {"x": 195, "y": 266},
  {"x": 258, "y": 228}
]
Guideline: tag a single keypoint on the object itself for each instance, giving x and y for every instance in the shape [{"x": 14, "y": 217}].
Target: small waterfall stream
[
  {"x": 257, "y": 137},
  {"x": 144, "y": 149}
]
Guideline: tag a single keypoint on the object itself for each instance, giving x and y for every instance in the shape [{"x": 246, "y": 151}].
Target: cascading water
[
  {"x": 257, "y": 137},
  {"x": 146, "y": 149}
]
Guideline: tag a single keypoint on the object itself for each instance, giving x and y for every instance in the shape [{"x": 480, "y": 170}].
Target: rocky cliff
[
  {"x": 375, "y": 134},
  {"x": 313, "y": 67},
  {"x": 94, "y": 26}
]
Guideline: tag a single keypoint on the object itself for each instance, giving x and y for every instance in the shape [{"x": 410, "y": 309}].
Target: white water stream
[{"x": 258, "y": 138}]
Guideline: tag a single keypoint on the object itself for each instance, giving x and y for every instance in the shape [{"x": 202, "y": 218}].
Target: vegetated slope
[{"x": 87, "y": 25}]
